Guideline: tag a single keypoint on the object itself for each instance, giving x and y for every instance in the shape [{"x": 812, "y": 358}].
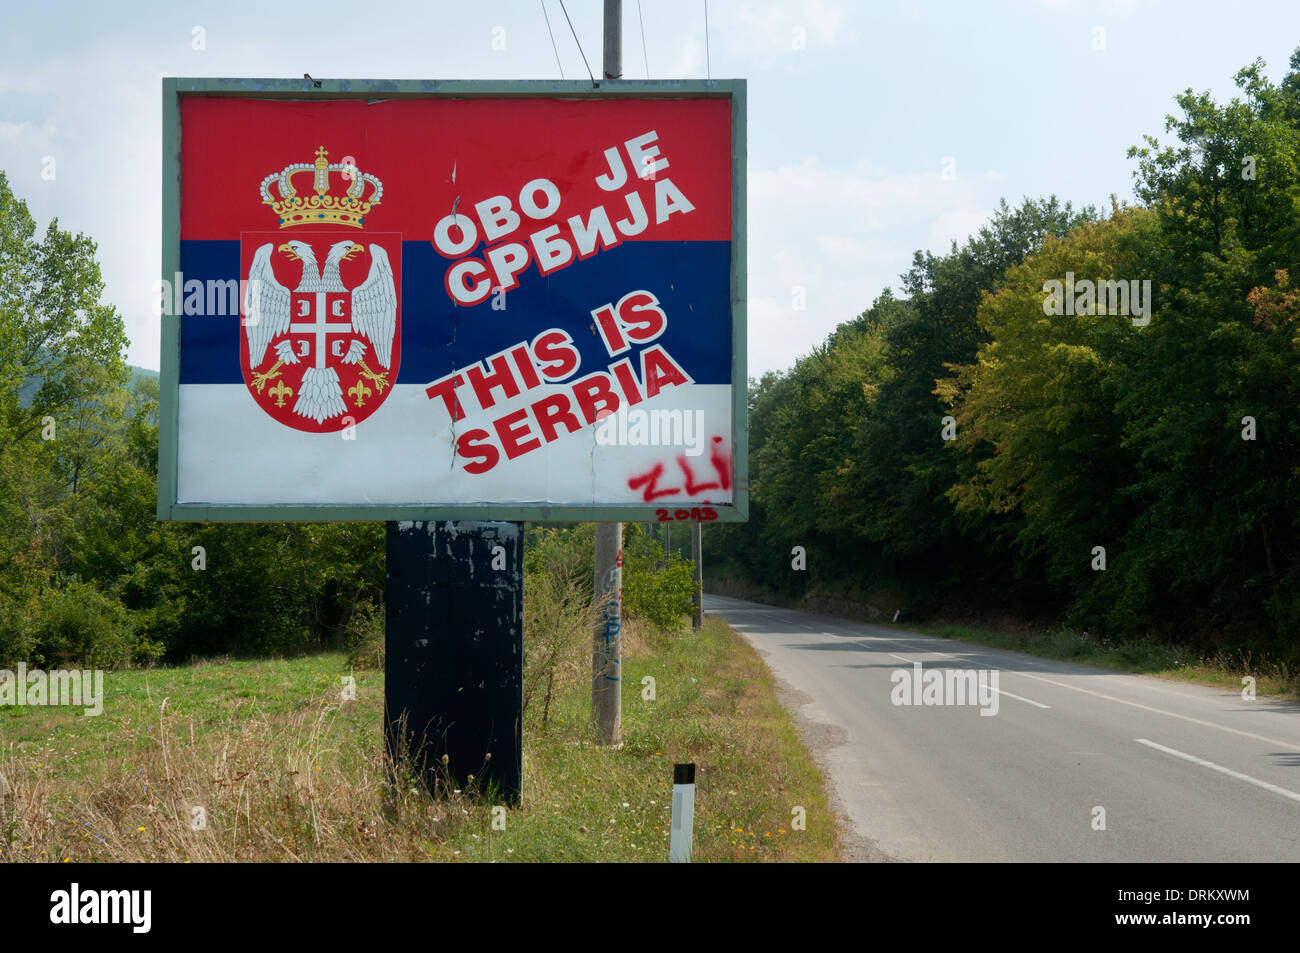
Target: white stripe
[
  {"x": 1111, "y": 698},
  {"x": 1161, "y": 711},
  {"x": 1028, "y": 701},
  {"x": 1220, "y": 768},
  {"x": 232, "y": 452}
]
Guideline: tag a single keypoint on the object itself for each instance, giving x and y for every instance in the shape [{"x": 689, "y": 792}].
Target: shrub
[
  {"x": 78, "y": 624},
  {"x": 365, "y": 637},
  {"x": 656, "y": 590},
  {"x": 559, "y": 618}
]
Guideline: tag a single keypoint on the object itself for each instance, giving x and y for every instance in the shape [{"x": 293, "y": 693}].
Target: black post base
[{"x": 453, "y": 669}]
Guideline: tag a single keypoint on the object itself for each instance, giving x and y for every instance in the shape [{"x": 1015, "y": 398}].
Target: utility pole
[
  {"x": 697, "y": 554},
  {"x": 613, "y": 39},
  {"x": 607, "y": 641}
]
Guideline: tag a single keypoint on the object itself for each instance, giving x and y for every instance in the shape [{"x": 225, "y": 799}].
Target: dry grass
[
  {"x": 266, "y": 788},
  {"x": 284, "y": 770}
]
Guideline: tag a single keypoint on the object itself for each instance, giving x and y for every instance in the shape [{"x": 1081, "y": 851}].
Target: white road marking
[
  {"x": 1161, "y": 711},
  {"x": 1220, "y": 768},
  {"x": 1027, "y": 701},
  {"x": 1111, "y": 698}
]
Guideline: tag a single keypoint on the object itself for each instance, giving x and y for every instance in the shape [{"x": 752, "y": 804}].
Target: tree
[{"x": 53, "y": 326}]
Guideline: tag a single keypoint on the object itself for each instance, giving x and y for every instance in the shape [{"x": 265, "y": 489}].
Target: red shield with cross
[{"x": 320, "y": 340}]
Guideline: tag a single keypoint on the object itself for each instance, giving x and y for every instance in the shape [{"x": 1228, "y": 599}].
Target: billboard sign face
[{"x": 387, "y": 300}]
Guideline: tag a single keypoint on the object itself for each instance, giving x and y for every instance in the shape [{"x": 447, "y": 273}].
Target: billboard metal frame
[{"x": 174, "y": 90}]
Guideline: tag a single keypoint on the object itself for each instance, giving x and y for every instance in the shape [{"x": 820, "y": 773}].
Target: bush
[
  {"x": 78, "y": 624},
  {"x": 559, "y": 618},
  {"x": 659, "y": 592},
  {"x": 365, "y": 637}
]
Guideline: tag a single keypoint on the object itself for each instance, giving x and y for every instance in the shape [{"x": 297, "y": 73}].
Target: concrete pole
[
  {"x": 613, "y": 39},
  {"x": 697, "y": 554},
  {"x": 607, "y": 641},
  {"x": 607, "y": 646}
]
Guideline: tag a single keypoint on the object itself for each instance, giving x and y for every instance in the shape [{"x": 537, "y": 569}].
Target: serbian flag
[{"x": 455, "y": 301}]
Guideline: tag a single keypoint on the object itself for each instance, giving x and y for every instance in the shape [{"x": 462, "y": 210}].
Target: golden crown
[{"x": 322, "y": 208}]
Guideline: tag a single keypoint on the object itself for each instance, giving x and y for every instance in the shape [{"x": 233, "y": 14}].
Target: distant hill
[{"x": 28, "y": 390}]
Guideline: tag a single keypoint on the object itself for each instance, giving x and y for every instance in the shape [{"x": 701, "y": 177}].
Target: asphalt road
[{"x": 1183, "y": 772}]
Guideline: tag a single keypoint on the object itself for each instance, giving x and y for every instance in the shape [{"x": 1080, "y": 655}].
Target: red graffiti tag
[
  {"x": 650, "y": 480},
  {"x": 700, "y": 514}
]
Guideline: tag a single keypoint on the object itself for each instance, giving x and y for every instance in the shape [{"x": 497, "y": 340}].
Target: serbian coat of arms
[{"x": 322, "y": 322}]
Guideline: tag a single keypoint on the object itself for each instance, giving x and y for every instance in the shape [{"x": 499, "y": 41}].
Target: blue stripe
[{"x": 691, "y": 279}]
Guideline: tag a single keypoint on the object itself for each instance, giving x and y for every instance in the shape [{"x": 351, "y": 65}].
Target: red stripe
[{"x": 496, "y": 145}]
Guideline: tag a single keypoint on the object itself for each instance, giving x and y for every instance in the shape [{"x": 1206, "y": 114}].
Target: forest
[{"x": 1009, "y": 434}]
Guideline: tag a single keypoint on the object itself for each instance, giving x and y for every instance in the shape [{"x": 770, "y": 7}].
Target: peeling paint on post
[{"x": 453, "y": 669}]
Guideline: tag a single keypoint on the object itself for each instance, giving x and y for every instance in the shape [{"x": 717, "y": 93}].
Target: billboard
[{"x": 453, "y": 300}]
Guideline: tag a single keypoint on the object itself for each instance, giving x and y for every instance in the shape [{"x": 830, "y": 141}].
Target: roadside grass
[
  {"x": 264, "y": 761},
  {"x": 1219, "y": 669}
]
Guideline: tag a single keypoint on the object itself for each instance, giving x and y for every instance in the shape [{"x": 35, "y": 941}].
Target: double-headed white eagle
[{"x": 268, "y": 314}]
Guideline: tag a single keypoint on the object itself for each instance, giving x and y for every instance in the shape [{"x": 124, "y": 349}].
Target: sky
[{"x": 875, "y": 129}]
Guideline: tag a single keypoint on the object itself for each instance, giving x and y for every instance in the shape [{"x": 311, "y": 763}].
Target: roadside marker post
[{"x": 683, "y": 829}]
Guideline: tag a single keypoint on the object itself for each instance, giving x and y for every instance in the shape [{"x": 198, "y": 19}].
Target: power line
[
  {"x": 708, "y": 64},
  {"x": 643, "y": 55},
  {"x": 552, "y": 35},
  {"x": 579, "y": 42}
]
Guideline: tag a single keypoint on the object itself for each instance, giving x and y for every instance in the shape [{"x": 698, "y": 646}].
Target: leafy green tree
[{"x": 52, "y": 323}]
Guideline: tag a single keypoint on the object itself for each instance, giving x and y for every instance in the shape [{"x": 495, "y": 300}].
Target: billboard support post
[{"x": 453, "y": 660}]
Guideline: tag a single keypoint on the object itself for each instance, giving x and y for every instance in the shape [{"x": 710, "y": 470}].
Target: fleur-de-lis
[
  {"x": 360, "y": 392},
  {"x": 280, "y": 392}
]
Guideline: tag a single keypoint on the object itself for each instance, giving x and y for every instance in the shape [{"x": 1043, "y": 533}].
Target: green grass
[
  {"x": 715, "y": 705},
  {"x": 206, "y": 698},
  {"x": 287, "y": 770}
]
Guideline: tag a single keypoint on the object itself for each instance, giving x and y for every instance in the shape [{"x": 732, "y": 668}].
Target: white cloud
[
  {"x": 689, "y": 58},
  {"x": 26, "y": 132},
  {"x": 771, "y": 27},
  {"x": 1119, "y": 8},
  {"x": 834, "y": 233}
]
